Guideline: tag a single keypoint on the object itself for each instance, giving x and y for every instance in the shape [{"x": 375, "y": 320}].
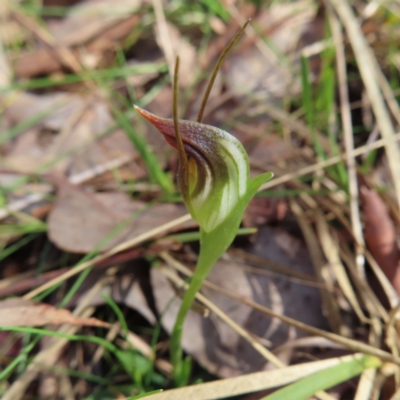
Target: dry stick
[
  {"x": 352, "y": 344},
  {"x": 365, "y": 61},
  {"x": 349, "y": 144},
  {"x": 122, "y": 247}
]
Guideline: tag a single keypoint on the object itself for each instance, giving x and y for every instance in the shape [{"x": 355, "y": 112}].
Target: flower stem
[
  {"x": 176, "y": 337},
  {"x": 204, "y": 265}
]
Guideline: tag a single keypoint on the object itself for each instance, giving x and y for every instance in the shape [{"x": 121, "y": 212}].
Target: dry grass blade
[
  {"x": 321, "y": 270},
  {"x": 366, "y": 385},
  {"x": 390, "y": 291},
  {"x": 331, "y": 251},
  {"x": 123, "y": 246},
  {"x": 349, "y": 142},
  {"x": 391, "y": 339},
  {"x": 370, "y": 300},
  {"x": 301, "y": 277},
  {"x": 387, "y": 92},
  {"x": 366, "y": 62},
  {"x": 251, "y": 382}
]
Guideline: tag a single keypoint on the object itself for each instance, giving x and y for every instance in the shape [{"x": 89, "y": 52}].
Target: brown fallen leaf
[
  {"x": 21, "y": 312},
  {"x": 380, "y": 235},
  {"x": 73, "y": 123},
  {"x": 81, "y": 220},
  {"x": 111, "y": 147},
  {"x": 55, "y": 107}
]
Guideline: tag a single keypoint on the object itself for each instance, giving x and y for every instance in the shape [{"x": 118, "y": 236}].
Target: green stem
[
  {"x": 204, "y": 265},
  {"x": 176, "y": 337}
]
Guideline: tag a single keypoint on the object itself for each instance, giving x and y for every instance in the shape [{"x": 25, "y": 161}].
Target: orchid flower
[
  {"x": 214, "y": 169},
  {"x": 214, "y": 179}
]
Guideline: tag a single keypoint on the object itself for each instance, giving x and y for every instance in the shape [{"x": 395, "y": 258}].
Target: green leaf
[{"x": 307, "y": 387}]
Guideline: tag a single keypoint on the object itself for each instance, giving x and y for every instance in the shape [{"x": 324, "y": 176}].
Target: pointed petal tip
[
  {"x": 145, "y": 114},
  {"x": 138, "y": 109}
]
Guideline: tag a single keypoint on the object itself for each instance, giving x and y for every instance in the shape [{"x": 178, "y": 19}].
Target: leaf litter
[
  {"x": 21, "y": 312},
  {"x": 67, "y": 167}
]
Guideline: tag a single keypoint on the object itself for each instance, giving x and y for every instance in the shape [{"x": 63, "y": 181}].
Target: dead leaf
[
  {"x": 380, "y": 235},
  {"x": 81, "y": 220},
  {"x": 21, "y": 312},
  {"x": 100, "y": 152},
  {"x": 30, "y": 64},
  {"x": 73, "y": 123},
  {"x": 55, "y": 107}
]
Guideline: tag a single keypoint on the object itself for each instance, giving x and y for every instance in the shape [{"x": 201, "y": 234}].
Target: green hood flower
[
  {"x": 213, "y": 173},
  {"x": 214, "y": 179}
]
